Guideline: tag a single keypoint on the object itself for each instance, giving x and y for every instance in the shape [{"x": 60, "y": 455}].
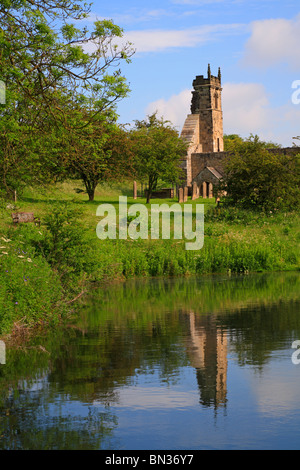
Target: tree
[
  {"x": 258, "y": 178},
  {"x": 231, "y": 141},
  {"x": 41, "y": 52},
  {"x": 296, "y": 144},
  {"x": 52, "y": 69},
  {"x": 158, "y": 151},
  {"x": 97, "y": 153}
]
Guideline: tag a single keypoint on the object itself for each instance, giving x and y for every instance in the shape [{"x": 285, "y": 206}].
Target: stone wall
[
  {"x": 216, "y": 159},
  {"x": 201, "y": 160},
  {"x": 167, "y": 193}
]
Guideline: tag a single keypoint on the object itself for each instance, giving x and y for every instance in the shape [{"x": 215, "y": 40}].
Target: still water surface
[{"x": 163, "y": 364}]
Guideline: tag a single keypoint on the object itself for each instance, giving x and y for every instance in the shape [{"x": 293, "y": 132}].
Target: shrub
[
  {"x": 29, "y": 289},
  {"x": 259, "y": 179},
  {"x": 66, "y": 245}
]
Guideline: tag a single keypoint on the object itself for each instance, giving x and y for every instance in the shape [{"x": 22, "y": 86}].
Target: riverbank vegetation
[{"x": 46, "y": 267}]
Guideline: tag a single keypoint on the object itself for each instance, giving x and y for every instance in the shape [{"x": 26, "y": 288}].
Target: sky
[{"x": 256, "y": 43}]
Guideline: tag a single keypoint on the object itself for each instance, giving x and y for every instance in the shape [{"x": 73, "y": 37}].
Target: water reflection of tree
[
  {"x": 152, "y": 327},
  {"x": 87, "y": 372},
  {"x": 32, "y": 421},
  {"x": 257, "y": 332},
  {"x": 95, "y": 366}
]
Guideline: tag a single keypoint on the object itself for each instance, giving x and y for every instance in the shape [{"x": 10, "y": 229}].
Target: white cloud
[
  {"x": 245, "y": 108},
  {"x": 159, "y": 40},
  {"x": 273, "y": 41},
  {"x": 277, "y": 393},
  {"x": 175, "y": 109},
  {"x": 153, "y": 398}
]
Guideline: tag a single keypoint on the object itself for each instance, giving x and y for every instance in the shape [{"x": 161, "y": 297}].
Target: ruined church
[
  {"x": 203, "y": 131},
  {"x": 203, "y": 164}
]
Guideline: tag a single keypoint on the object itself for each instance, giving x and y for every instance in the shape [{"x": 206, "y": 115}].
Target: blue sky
[{"x": 255, "y": 42}]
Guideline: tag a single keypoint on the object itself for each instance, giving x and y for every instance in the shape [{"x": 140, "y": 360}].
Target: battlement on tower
[
  {"x": 207, "y": 93},
  {"x": 211, "y": 79}
]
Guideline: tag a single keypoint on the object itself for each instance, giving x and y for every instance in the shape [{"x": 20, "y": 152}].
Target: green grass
[{"x": 62, "y": 259}]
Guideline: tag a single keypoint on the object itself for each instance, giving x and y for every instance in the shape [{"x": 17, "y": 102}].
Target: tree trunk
[
  {"x": 90, "y": 187},
  {"x": 149, "y": 194},
  {"x": 152, "y": 182},
  {"x": 91, "y": 194}
]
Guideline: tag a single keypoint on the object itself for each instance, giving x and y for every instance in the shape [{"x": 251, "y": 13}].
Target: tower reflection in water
[{"x": 207, "y": 350}]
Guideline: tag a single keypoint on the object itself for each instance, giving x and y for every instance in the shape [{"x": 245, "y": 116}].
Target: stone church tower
[
  {"x": 206, "y": 102},
  {"x": 203, "y": 128},
  {"x": 204, "y": 164}
]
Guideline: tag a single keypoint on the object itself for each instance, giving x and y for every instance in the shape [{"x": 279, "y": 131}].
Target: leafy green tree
[
  {"x": 42, "y": 51},
  {"x": 28, "y": 140},
  {"x": 231, "y": 141},
  {"x": 51, "y": 67},
  {"x": 298, "y": 143},
  {"x": 97, "y": 153},
  {"x": 158, "y": 151},
  {"x": 258, "y": 178}
]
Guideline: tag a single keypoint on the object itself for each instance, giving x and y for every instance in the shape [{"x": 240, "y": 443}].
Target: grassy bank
[{"x": 44, "y": 268}]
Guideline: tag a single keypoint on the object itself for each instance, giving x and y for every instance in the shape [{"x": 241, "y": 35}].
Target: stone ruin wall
[
  {"x": 201, "y": 160},
  {"x": 217, "y": 159}
]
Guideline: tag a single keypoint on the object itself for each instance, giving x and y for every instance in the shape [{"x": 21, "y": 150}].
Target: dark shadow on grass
[
  {"x": 32, "y": 200},
  {"x": 114, "y": 200}
]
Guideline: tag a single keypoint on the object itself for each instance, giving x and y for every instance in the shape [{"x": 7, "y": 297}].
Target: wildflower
[
  {"x": 20, "y": 256},
  {"x": 29, "y": 260},
  {"x": 4, "y": 253}
]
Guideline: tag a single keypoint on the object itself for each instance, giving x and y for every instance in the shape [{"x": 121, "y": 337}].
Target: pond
[{"x": 173, "y": 364}]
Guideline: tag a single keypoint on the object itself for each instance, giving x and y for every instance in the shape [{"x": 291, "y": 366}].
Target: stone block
[
  {"x": 180, "y": 195},
  {"x": 195, "y": 191},
  {"x": 185, "y": 193}
]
